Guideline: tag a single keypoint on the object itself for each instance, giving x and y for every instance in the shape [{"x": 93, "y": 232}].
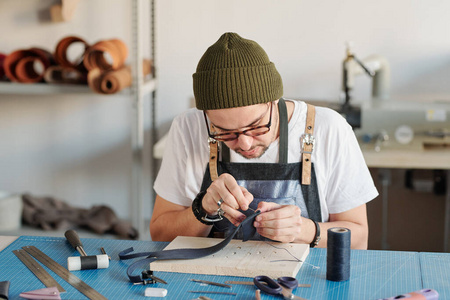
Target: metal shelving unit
[{"x": 139, "y": 92}]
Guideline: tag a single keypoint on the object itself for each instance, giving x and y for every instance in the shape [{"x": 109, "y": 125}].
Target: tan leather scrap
[
  {"x": 307, "y": 142},
  {"x": 113, "y": 81},
  {"x": 95, "y": 56}
]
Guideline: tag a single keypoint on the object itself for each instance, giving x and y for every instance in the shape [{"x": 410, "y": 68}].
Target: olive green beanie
[{"x": 235, "y": 72}]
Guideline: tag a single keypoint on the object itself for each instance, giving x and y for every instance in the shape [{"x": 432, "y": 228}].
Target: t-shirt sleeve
[
  {"x": 349, "y": 182},
  {"x": 180, "y": 174}
]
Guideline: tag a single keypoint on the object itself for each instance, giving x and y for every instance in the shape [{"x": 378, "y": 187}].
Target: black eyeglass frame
[{"x": 238, "y": 133}]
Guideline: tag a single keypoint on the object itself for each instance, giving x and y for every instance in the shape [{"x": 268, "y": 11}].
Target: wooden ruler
[
  {"x": 64, "y": 274},
  {"x": 37, "y": 270}
]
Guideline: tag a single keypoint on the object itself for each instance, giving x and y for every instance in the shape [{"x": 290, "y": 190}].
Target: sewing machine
[{"x": 384, "y": 122}]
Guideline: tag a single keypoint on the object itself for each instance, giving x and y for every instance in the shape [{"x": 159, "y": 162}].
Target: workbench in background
[
  {"x": 404, "y": 219},
  {"x": 374, "y": 274}
]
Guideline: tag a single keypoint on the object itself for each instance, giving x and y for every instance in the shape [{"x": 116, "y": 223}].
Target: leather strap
[
  {"x": 213, "y": 154},
  {"x": 188, "y": 253},
  {"x": 307, "y": 142},
  {"x": 317, "y": 237},
  {"x": 284, "y": 134}
]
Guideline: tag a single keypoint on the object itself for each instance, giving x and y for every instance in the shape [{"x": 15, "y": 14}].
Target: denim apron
[{"x": 271, "y": 182}]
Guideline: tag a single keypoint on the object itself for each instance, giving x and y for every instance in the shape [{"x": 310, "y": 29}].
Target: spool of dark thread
[{"x": 338, "y": 254}]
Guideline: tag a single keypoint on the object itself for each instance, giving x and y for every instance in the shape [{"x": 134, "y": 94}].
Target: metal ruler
[
  {"x": 37, "y": 270},
  {"x": 64, "y": 273}
]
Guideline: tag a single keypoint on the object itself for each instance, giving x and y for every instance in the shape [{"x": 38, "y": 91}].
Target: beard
[{"x": 240, "y": 152}]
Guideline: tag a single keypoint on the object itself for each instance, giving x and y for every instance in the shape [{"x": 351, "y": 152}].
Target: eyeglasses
[{"x": 227, "y": 136}]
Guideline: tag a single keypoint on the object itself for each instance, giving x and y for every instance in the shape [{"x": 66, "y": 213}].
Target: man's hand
[
  {"x": 279, "y": 222},
  {"x": 234, "y": 197}
]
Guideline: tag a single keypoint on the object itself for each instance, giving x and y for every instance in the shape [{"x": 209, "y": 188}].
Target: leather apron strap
[
  {"x": 213, "y": 154},
  {"x": 284, "y": 134}
]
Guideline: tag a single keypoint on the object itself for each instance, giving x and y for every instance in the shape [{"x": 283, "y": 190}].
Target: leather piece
[
  {"x": 247, "y": 228},
  {"x": 63, "y": 12},
  {"x": 113, "y": 81},
  {"x": 4, "y": 290},
  {"x": 61, "y": 56},
  {"x": 19, "y": 65},
  {"x": 188, "y": 253},
  {"x": 59, "y": 74},
  {"x": 2, "y": 69},
  {"x": 95, "y": 56},
  {"x": 51, "y": 213}
]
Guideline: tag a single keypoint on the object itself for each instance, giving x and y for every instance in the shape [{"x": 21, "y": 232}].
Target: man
[{"x": 299, "y": 165}]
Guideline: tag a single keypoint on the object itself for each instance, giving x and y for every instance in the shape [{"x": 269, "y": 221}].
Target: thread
[
  {"x": 296, "y": 258},
  {"x": 338, "y": 254}
]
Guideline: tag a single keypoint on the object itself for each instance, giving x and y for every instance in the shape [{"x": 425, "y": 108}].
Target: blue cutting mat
[
  {"x": 374, "y": 274},
  {"x": 436, "y": 272}
]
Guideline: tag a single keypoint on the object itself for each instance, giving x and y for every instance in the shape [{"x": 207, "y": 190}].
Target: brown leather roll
[
  {"x": 2, "y": 69},
  {"x": 109, "y": 82},
  {"x": 94, "y": 80},
  {"x": 60, "y": 74},
  {"x": 95, "y": 56},
  {"x": 113, "y": 81},
  {"x": 20, "y": 65},
  {"x": 116, "y": 80},
  {"x": 61, "y": 53}
]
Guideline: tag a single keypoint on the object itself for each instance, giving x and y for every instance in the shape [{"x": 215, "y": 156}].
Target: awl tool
[{"x": 84, "y": 262}]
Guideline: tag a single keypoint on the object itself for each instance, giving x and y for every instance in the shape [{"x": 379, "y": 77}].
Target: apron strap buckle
[{"x": 308, "y": 140}]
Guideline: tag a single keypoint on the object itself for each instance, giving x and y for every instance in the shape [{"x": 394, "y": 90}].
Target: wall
[
  {"x": 306, "y": 41},
  {"x": 77, "y": 147}
]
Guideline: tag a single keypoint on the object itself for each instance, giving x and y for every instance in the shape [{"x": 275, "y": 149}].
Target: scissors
[{"x": 283, "y": 286}]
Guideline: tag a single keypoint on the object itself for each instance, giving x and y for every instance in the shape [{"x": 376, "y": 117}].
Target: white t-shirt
[{"x": 343, "y": 179}]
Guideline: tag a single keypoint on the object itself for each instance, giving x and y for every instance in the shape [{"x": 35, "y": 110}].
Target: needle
[{"x": 211, "y": 283}]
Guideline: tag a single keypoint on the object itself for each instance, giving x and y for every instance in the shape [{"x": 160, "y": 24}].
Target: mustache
[{"x": 239, "y": 150}]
